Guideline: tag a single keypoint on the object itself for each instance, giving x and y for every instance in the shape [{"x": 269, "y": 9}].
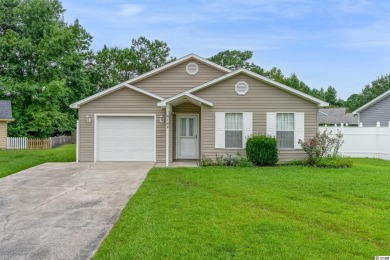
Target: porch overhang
[{"x": 177, "y": 100}]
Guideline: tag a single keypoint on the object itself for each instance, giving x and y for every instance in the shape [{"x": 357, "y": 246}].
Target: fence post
[
  {"x": 378, "y": 125},
  {"x": 388, "y": 141},
  {"x": 342, "y": 132}
]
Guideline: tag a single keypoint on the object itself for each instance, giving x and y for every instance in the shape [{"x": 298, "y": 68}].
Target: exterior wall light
[
  {"x": 88, "y": 119},
  {"x": 161, "y": 119}
]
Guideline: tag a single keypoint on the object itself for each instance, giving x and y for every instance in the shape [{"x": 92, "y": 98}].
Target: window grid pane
[
  {"x": 233, "y": 130},
  {"x": 191, "y": 127},
  {"x": 285, "y": 130},
  {"x": 183, "y": 127}
]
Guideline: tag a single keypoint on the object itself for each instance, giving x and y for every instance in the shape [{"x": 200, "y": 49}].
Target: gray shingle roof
[
  {"x": 5, "y": 109},
  {"x": 336, "y": 116}
]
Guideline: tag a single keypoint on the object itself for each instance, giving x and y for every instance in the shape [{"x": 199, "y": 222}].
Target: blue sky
[{"x": 340, "y": 43}]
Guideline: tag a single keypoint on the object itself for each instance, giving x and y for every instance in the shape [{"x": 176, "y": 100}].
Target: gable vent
[
  {"x": 242, "y": 88},
  {"x": 192, "y": 68}
]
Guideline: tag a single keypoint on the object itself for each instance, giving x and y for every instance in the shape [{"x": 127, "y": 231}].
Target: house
[
  {"x": 377, "y": 110},
  {"x": 336, "y": 116},
  {"x": 5, "y": 118},
  {"x": 191, "y": 108}
]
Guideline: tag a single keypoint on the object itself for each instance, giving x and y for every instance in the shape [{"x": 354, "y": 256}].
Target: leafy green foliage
[
  {"x": 235, "y": 59},
  {"x": 369, "y": 92},
  {"x": 322, "y": 151},
  {"x": 262, "y": 150},
  {"x": 115, "y": 65},
  {"x": 334, "y": 162},
  {"x": 47, "y": 64},
  {"x": 292, "y": 212}
]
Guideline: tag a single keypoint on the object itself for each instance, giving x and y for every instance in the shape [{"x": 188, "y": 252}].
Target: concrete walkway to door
[{"x": 64, "y": 210}]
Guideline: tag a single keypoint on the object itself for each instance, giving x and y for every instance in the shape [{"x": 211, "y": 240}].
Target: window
[
  {"x": 241, "y": 88},
  {"x": 285, "y": 130},
  {"x": 192, "y": 68},
  {"x": 233, "y": 130}
]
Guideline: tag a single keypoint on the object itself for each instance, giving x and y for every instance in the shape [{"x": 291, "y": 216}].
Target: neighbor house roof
[
  {"x": 372, "y": 102},
  {"x": 336, "y": 116},
  {"x": 146, "y": 75},
  {"x": 6, "y": 110},
  {"x": 253, "y": 75}
]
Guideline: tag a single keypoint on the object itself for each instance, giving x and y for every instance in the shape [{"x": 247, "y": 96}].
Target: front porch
[
  {"x": 183, "y": 127},
  {"x": 186, "y": 131}
]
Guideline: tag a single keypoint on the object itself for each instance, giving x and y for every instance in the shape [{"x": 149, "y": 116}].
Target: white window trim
[
  {"x": 271, "y": 129},
  {"x": 276, "y": 130},
  {"x": 241, "y": 93},
  {"x": 122, "y": 115},
  {"x": 178, "y": 116},
  {"x": 192, "y": 64},
  {"x": 242, "y": 131},
  {"x": 245, "y": 129}
]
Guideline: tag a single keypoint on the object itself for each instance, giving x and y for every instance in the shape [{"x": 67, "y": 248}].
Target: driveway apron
[{"x": 64, "y": 210}]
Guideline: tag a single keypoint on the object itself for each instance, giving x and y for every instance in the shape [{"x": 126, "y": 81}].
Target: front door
[{"x": 187, "y": 137}]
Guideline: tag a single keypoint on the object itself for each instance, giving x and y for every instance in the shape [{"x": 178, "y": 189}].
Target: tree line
[{"x": 46, "y": 64}]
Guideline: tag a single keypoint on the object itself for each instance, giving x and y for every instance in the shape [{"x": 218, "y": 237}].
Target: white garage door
[{"x": 125, "y": 138}]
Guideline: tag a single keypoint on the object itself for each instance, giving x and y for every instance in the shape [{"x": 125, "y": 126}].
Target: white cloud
[{"x": 129, "y": 10}]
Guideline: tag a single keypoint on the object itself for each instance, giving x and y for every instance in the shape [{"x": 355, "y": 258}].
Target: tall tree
[
  {"x": 114, "y": 65},
  {"x": 149, "y": 55},
  {"x": 44, "y": 65},
  {"x": 369, "y": 92},
  {"x": 235, "y": 59},
  {"x": 331, "y": 95}
]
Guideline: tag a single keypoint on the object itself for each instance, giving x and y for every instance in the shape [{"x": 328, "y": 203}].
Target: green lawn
[
  {"x": 278, "y": 213},
  {"x": 12, "y": 161}
]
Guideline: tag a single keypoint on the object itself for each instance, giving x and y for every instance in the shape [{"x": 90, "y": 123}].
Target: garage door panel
[{"x": 125, "y": 138}]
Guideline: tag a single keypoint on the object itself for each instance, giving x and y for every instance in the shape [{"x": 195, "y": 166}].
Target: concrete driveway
[{"x": 64, "y": 210}]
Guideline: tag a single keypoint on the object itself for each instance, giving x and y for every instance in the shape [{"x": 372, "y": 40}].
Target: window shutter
[
  {"x": 248, "y": 125},
  {"x": 271, "y": 124},
  {"x": 299, "y": 119},
  {"x": 219, "y": 129}
]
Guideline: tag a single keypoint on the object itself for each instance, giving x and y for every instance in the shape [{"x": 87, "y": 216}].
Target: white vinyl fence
[
  {"x": 37, "y": 143},
  {"x": 17, "y": 142},
  {"x": 371, "y": 142}
]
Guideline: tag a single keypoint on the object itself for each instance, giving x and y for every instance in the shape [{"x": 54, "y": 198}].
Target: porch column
[{"x": 167, "y": 122}]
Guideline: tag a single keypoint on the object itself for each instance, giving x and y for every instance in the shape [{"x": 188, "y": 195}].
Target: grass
[
  {"x": 12, "y": 161},
  {"x": 292, "y": 212}
]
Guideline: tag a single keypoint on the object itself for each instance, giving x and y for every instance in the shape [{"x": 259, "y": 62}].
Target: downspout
[
  {"x": 77, "y": 140},
  {"x": 167, "y": 122}
]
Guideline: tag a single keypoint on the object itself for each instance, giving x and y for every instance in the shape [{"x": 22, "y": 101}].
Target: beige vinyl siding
[
  {"x": 122, "y": 101},
  {"x": 3, "y": 135},
  {"x": 185, "y": 108},
  {"x": 176, "y": 80},
  {"x": 260, "y": 99}
]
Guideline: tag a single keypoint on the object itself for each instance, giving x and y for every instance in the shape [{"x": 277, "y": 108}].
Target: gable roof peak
[
  {"x": 176, "y": 62},
  {"x": 372, "y": 102},
  {"x": 252, "y": 74}
]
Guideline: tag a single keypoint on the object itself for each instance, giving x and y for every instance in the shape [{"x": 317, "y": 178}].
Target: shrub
[
  {"x": 205, "y": 161},
  {"x": 293, "y": 163},
  {"x": 334, "y": 162},
  {"x": 226, "y": 160},
  {"x": 321, "y": 146},
  {"x": 262, "y": 150}
]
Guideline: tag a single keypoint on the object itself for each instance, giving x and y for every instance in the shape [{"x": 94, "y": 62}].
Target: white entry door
[{"x": 187, "y": 137}]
